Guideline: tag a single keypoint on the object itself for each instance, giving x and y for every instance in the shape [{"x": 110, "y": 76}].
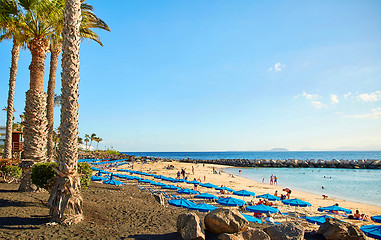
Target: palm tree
[
  {"x": 65, "y": 200},
  {"x": 98, "y": 140},
  {"x": 39, "y": 16},
  {"x": 92, "y": 138},
  {"x": 10, "y": 29},
  {"x": 89, "y": 21},
  {"x": 87, "y": 139}
]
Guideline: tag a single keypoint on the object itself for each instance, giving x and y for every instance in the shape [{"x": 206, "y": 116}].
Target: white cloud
[
  {"x": 277, "y": 67},
  {"x": 308, "y": 96},
  {"x": 347, "y": 95},
  {"x": 376, "y": 113},
  {"x": 317, "y": 104},
  {"x": 334, "y": 99},
  {"x": 370, "y": 97}
]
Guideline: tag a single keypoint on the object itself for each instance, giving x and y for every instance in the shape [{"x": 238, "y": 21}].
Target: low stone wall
[{"x": 293, "y": 163}]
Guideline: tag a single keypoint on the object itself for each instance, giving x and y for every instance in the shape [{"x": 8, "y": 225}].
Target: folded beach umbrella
[
  {"x": 230, "y": 201},
  {"x": 262, "y": 209},
  {"x": 208, "y": 185},
  {"x": 97, "y": 178},
  {"x": 203, "y": 207},
  {"x": 181, "y": 180},
  {"x": 181, "y": 202},
  {"x": 171, "y": 187},
  {"x": 145, "y": 181},
  {"x": 244, "y": 193},
  {"x": 376, "y": 218},
  {"x": 335, "y": 208},
  {"x": 159, "y": 176},
  {"x": 157, "y": 183},
  {"x": 224, "y": 188},
  {"x": 269, "y": 197},
  {"x": 318, "y": 219},
  {"x": 111, "y": 181},
  {"x": 206, "y": 196},
  {"x": 373, "y": 231},
  {"x": 251, "y": 218},
  {"x": 193, "y": 182},
  {"x": 296, "y": 202},
  {"x": 187, "y": 191},
  {"x": 128, "y": 177}
]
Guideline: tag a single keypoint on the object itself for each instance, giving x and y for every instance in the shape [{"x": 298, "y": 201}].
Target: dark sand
[{"x": 110, "y": 213}]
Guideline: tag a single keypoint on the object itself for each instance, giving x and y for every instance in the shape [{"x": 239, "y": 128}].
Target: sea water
[{"x": 361, "y": 185}]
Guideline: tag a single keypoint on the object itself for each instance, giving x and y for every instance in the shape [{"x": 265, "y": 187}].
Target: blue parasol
[
  {"x": 318, "y": 219},
  {"x": 269, "y": 197},
  {"x": 334, "y": 208},
  {"x": 158, "y": 183},
  {"x": 194, "y": 182},
  {"x": 262, "y": 209},
  {"x": 209, "y": 185},
  {"x": 251, "y": 218},
  {"x": 206, "y": 196},
  {"x": 373, "y": 231},
  {"x": 171, "y": 187},
  {"x": 224, "y": 188},
  {"x": 230, "y": 201},
  {"x": 111, "y": 181},
  {"x": 202, "y": 207},
  {"x": 187, "y": 191},
  {"x": 145, "y": 181},
  {"x": 296, "y": 202},
  {"x": 244, "y": 193},
  {"x": 376, "y": 218},
  {"x": 181, "y": 202},
  {"x": 96, "y": 178}
]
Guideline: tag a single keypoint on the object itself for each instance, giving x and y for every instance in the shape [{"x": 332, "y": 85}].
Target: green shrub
[
  {"x": 85, "y": 173},
  {"x": 43, "y": 174},
  {"x": 10, "y": 173}
]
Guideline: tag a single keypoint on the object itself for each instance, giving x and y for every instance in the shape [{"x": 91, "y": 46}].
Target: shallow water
[{"x": 360, "y": 185}]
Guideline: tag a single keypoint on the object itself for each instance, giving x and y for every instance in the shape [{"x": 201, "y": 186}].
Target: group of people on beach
[{"x": 273, "y": 180}]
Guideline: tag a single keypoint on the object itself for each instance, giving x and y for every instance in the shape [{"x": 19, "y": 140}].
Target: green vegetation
[
  {"x": 43, "y": 174},
  {"x": 10, "y": 173}
]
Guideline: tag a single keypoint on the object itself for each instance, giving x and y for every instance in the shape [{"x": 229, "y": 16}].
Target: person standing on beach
[
  {"x": 275, "y": 180},
  {"x": 192, "y": 170},
  {"x": 271, "y": 180}
]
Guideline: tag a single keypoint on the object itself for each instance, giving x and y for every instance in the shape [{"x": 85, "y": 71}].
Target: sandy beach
[{"x": 204, "y": 172}]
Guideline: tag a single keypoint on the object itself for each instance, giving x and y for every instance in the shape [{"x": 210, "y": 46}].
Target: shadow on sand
[{"x": 23, "y": 222}]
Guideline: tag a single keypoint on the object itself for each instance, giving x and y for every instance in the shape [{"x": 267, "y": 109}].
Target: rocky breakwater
[
  {"x": 293, "y": 163},
  {"x": 113, "y": 156}
]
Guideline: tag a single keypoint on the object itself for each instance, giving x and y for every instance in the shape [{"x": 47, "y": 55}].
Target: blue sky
[{"x": 227, "y": 75}]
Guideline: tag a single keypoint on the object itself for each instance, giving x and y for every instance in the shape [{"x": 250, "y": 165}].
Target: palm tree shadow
[{"x": 23, "y": 222}]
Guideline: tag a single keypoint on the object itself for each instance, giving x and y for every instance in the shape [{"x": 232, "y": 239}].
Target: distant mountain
[{"x": 279, "y": 150}]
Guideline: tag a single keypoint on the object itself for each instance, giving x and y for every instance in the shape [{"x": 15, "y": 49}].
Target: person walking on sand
[
  {"x": 192, "y": 170},
  {"x": 271, "y": 180},
  {"x": 275, "y": 180}
]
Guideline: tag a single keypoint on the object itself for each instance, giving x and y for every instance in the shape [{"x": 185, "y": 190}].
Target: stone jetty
[{"x": 293, "y": 163}]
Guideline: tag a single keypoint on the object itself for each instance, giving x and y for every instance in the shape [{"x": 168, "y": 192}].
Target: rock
[
  {"x": 248, "y": 234},
  {"x": 189, "y": 226},
  {"x": 224, "y": 220},
  {"x": 336, "y": 229},
  {"x": 286, "y": 231},
  {"x": 159, "y": 197},
  {"x": 254, "y": 234}
]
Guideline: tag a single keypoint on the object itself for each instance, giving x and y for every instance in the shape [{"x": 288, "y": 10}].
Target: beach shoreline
[{"x": 205, "y": 170}]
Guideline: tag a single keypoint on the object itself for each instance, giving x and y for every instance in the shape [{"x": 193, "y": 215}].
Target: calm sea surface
[{"x": 361, "y": 185}]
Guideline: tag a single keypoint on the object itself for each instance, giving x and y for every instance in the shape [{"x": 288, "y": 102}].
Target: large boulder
[
  {"x": 190, "y": 227},
  {"x": 223, "y": 220},
  {"x": 286, "y": 231},
  {"x": 248, "y": 234},
  {"x": 336, "y": 229}
]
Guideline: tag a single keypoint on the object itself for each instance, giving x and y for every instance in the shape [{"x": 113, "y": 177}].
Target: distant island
[{"x": 279, "y": 150}]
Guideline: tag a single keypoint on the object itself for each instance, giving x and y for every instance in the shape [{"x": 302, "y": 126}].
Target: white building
[{"x": 2, "y": 136}]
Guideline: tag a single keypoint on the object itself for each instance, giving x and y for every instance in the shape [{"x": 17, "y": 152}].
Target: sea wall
[{"x": 293, "y": 163}]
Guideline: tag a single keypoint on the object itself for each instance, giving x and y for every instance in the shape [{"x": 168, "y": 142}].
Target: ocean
[{"x": 360, "y": 185}]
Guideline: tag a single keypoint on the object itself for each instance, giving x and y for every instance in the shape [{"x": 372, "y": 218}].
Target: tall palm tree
[
  {"x": 89, "y": 21},
  {"x": 92, "y": 138},
  {"x": 65, "y": 200},
  {"x": 10, "y": 28},
  {"x": 39, "y": 16},
  {"x": 98, "y": 140},
  {"x": 87, "y": 139}
]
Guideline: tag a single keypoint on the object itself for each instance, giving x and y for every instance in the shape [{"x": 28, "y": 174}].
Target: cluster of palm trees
[
  {"x": 45, "y": 26},
  {"x": 90, "y": 138}
]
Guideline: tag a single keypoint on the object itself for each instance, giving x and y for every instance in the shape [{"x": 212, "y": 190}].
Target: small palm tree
[
  {"x": 87, "y": 139},
  {"x": 92, "y": 138},
  {"x": 98, "y": 140}
]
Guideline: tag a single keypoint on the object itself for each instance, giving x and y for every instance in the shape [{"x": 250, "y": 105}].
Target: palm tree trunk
[
  {"x": 65, "y": 200},
  {"x": 11, "y": 97},
  {"x": 55, "y": 52},
  {"x": 35, "y": 111}
]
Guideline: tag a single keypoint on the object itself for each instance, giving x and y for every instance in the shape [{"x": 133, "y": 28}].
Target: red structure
[{"x": 17, "y": 143}]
